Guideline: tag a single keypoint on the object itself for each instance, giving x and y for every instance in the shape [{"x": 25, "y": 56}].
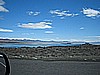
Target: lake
[
  {"x": 37, "y": 67},
  {"x": 33, "y": 45}
]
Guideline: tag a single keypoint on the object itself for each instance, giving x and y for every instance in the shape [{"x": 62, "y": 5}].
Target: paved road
[
  {"x": 35, "y": 67},
  {"x": 2, "y": 66}
]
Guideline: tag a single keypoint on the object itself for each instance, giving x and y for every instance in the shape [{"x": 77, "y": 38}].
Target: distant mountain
[
  {"x": 41, "y": 41},
  {"x": 27, "y": 41}
]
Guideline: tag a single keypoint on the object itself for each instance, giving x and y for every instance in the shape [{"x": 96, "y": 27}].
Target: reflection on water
[{"x": 36, "y": 67}]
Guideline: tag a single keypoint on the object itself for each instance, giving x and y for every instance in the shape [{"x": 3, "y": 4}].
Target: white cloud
[
  {"x": 2, "y": 2},
  {"x": 33, "y": 13},
  {"x": 5, "y": 30},
  {"x": 81, "y": 28},
  {"x": 49, "y": 32},
  {"x": 39, "y": 25},
  {"x": 36, "y": 13},
  {"x": 30, "y": 12},
  {"x": 91, "y": 12},
  {"x": 93, "y": 38},
  {"x": 62, "y": 13},
  {"x": 78, "y": 40},
  {"x": 2, "y": 9}
]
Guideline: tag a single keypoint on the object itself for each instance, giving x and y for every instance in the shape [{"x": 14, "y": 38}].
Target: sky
[{"x": 77, "y": 20}]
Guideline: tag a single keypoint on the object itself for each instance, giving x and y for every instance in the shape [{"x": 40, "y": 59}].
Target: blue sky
[{"x": 77, "y": 20}]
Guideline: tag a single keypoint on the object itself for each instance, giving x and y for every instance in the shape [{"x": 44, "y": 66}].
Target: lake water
[
  {"x": 37, "y": 67},
  {"x": 33, "y": 45},
  {"x": 42, "y": 45}
]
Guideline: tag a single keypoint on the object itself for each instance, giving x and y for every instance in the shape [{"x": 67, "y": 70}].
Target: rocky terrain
[{"x": 84, "y": 52}]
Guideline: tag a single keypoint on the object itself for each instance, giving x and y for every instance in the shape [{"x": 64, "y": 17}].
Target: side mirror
[{"x": 4, "y": 65}]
